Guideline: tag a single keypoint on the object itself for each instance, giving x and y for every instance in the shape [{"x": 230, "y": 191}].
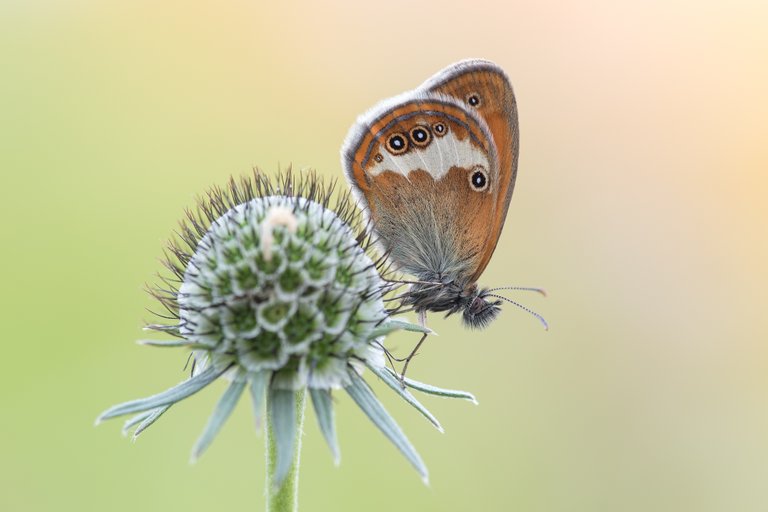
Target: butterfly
[{"x": 434, "y": 169}]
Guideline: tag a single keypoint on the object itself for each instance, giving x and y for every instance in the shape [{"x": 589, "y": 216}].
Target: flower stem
[{"x": 285, "y": 497}]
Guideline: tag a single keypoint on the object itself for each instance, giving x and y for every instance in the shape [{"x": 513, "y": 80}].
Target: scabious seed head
[{"x": 278, "y": 282}]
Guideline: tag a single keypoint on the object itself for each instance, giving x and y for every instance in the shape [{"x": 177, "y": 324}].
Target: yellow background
[{"x": 640, "y": 206}]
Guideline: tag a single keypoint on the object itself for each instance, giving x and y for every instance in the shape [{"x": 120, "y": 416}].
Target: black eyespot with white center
[
  {"x": 478, "y": 179},
  {"x": 439, "y": 129},
  {"x": 421, "y": 136},
  {"x": 397, "y": 144},
  {"x": 473, "y": 99}
]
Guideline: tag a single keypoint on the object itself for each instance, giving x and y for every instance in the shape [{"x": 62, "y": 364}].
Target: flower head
[
  {"x": 279, "y": 283},
  {"x": 274, "y": 288}
]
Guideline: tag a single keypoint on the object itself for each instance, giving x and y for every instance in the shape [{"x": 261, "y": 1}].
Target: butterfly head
[
  {"x": 478, "y": 310},
  {"x": 477, "y": 307}
]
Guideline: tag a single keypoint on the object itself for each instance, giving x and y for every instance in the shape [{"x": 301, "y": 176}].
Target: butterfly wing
[
  {"x": 484, "y": 89},
  {"x": 410, "y": 160}
]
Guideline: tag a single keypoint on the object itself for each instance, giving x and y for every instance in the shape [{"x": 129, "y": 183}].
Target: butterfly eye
[
  {"x": 439, "y": 129},
  {"x": 420, "y": 136},
  {"x": 478, "y": 180},
  {"x": 474, "y": 99},
  {"x": 397, "y": 144}
]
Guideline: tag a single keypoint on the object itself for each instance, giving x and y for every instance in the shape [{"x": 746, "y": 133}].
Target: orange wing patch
[{"x": 485, "y": 88}]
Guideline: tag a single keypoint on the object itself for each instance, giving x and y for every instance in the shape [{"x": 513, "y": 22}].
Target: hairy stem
[{"x": 285, "y": 497}]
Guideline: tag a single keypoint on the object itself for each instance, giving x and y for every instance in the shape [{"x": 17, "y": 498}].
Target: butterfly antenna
[
  {"x": 541, "y": 318},
  {"x": 521, "y": 288}
]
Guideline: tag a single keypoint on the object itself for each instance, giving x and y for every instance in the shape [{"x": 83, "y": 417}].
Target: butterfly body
[{"x": 434, "y": 170}]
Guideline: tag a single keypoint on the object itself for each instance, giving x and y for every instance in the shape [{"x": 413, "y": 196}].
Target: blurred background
[{"x": 640, "y": 206}]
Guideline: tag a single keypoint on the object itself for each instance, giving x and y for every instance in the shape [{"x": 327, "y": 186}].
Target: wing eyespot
[
  {"x": 439, "y": 129},
  {"x": 420, "y": 136},
  {"x": 478, "y": 179},
  {"x": 473, "y": 99},
  {"x": 397, "y": 143}
]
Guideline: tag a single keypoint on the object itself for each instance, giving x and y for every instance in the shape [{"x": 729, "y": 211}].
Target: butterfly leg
[{"x": 422, "y": 315}]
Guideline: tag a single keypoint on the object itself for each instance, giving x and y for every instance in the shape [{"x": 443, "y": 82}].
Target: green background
[{"x": 640, "y": 206}]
